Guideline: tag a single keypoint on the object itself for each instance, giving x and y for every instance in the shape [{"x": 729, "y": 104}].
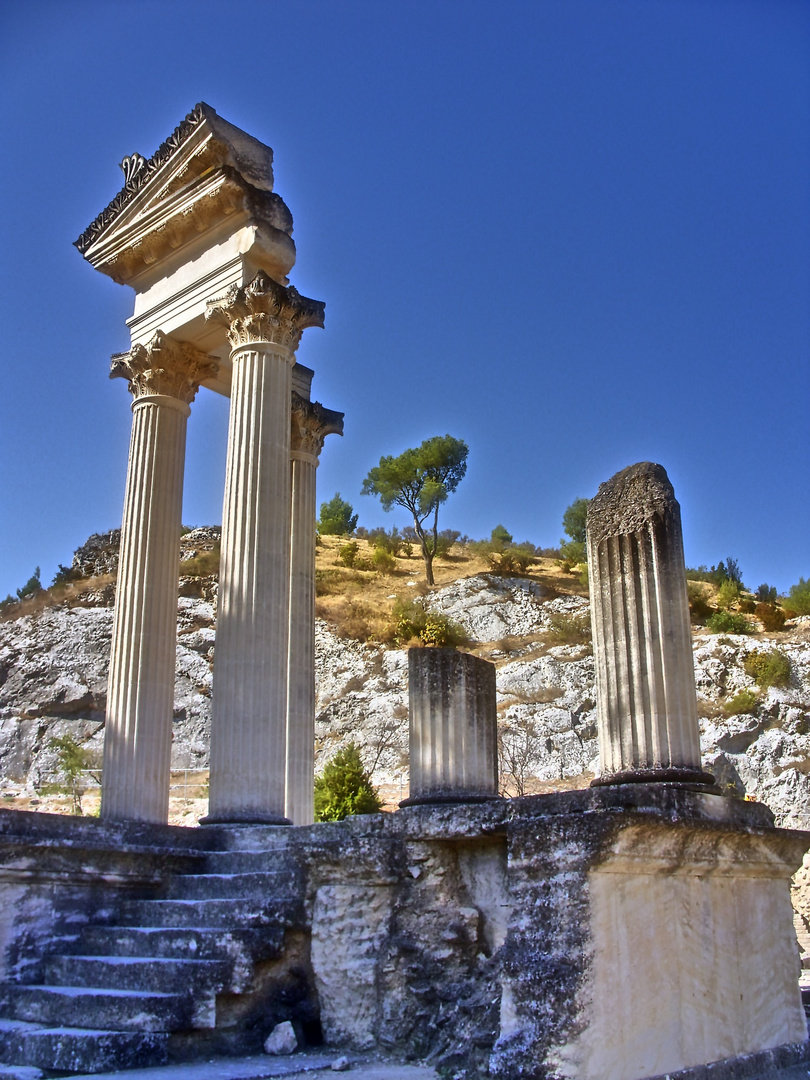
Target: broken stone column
[
  {"x": 645, "y": 683},
  {"x": 453, "y": 730},
  {"x": 264, "y": 322},
  {"x": 164, "y": 377},
  {"x": 311, "y": 423}
]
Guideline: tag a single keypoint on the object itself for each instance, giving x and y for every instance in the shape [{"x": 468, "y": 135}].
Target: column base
[
  {"x": 657, "y": 776},
  {"x": 443, "y": 800},
  {"x": 245, "y": 818}
]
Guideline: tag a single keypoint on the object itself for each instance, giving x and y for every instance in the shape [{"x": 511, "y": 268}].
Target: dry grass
[{"x": 359, "y": 603}]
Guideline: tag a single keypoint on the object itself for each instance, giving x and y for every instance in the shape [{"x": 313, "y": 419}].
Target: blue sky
[{"x": 575, "y": 234}]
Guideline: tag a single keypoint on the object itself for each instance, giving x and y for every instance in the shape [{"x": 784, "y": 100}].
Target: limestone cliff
[{"x": 53, "y": 672}]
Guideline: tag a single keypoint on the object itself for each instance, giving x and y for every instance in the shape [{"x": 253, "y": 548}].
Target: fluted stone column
[
  {"x": 164, "y": 378},
  {"x": 249, "y": 715},
  {"x": 453, "y": 727},
  {"x": 645, "y": 682},
  {"x": 311, "y": 423}
]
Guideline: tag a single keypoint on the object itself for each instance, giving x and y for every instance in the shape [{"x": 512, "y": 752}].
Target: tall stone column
[
  {"x": 311, "y": 423},
  {"x": 164, "y": 377},
  {"x": 265, "y": 321},
  {"x": 645, "y": 682}
]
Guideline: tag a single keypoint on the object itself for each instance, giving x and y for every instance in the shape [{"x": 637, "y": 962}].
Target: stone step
[
  {"x": 112, "y": 1010},
  {"x": 20, "y": 1072},
  {"x": 183, "y": 943},
  {"x": 250, "y": 838},
  {"x": 148, "y": 974},
  {"x": 221, "y": 914},
  {"x": 78, "y": 1050},
  {"x": 240, "y": 862},
  {"x": 254, "y": 884}
]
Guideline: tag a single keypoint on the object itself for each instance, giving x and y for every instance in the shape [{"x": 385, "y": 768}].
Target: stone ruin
[{"x": 637, "y": 929}]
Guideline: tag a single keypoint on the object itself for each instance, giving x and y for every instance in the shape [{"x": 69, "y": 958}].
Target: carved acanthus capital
[
  {"x": 164, "y": 367},
  {"x": 264, "y": 311},
  {"x": 311, "y": 423}
]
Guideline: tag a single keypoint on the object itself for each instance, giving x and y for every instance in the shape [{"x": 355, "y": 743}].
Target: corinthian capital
[
  {"x": 264, "y": 311},
  {"x": 165, "y": 367},
  {"x": 311, "y": 423}
]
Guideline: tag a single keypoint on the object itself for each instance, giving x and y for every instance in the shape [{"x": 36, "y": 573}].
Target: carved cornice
[
  {"x": 264, "y": 311},
  {"x": 311, "y": 423},
  {"x": 164, "y": 367},
  {"x": 136, "y": 177}
]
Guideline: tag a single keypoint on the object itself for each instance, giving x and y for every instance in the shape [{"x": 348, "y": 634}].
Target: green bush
[
  {"x": 771, "y": 617},
  {"x": 727, "y": 622},
  {"x": 573, "y": 551},
  {"x": 500, "y": 535},
  {"x": 699, "y": 607},
  {"x": 513, "y": 560},
  {"x": 345, "y": 788},
  {"x": 745, "y": 701},
  {"x": 728, "y": 593},
  {"x": 65, "y": 574},
  {"x": 569, "y": 629},
  {"x": 384, "y": 562},
  {"x": 203, "y": 564},
  {"x": 771, "y": 668},
  {"x": 337, "y": 517},
  {"x": 413, "y": 621},
  {"x": 798, "y": 597},
  {"x": 347, "y": 554},
  {"x": 31, "y": 587},
  {"x": 766, "y": 594},
  {"x": 746, "y": 606}
]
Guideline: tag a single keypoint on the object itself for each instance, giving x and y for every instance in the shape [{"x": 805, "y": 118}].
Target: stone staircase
[{"x": 199, "y": 969}]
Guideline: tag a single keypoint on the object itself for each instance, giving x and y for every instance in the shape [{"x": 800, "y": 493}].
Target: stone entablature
[{"x": 196, "y": 218}]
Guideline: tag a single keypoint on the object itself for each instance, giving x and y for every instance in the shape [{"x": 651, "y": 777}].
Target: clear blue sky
[{"x": 575, "y": 234}]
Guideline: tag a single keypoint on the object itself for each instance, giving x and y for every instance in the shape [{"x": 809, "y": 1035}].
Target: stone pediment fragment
[{"x": 208, "y": 177}]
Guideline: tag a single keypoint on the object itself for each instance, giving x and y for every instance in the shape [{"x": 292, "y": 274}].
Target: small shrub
[
  {"x": 513, "y": 560},
  {"x": 413, "y": 621},
  {"x": 746, "y": 606},
  {"x": 383, "y": 561},
  {"x": 31, "y": 587},
  {"x": 699, "y": 607},
  {"x": 766, "y": 594},
  {"x": 203, "y": 564},
  {"x": 351, "y": 620},
  {"x": 798, "y": 598},
  {"x": 573, "y": 551},
  {"x": 771, "y": 617},
  {"x": 445, "y": 541},
  {"x": 727, "y": 622},
  {"x": 344, "y": 788},
  {"x": 65, "y": 574},
  {"x": 771, "y": 668},
  {"x": 347, "y": 554},
  {"x": 568, "y": 629},
  {"x": 337, "y": 517},
  {"x": 745, "y": 701},
  {"x": 728, "y": 593},
  {"x": 500, "y": 535}
]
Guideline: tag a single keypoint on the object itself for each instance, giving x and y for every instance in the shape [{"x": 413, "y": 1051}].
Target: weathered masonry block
[{"x": 453, "y": 732}]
